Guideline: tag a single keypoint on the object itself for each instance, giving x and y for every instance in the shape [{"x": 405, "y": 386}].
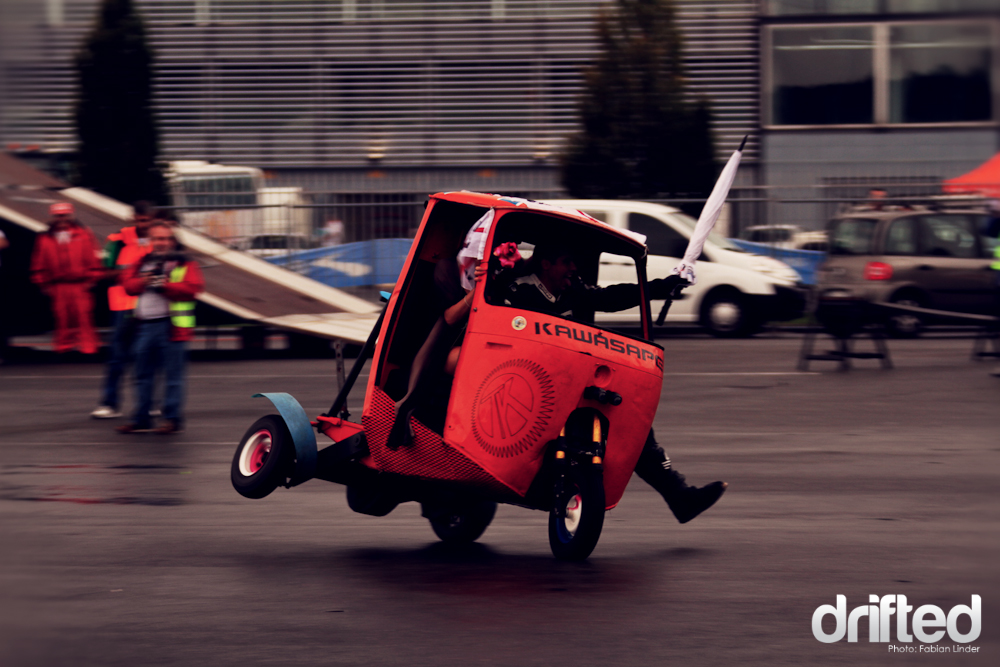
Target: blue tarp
[
  {"x": 805, "y": 262},
  {"x": 378, "y": 262},
  {"x": 375, "y": 262}
]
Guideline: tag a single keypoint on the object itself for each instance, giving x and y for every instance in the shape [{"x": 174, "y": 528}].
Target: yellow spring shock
[{"x": 597, "y": 439}]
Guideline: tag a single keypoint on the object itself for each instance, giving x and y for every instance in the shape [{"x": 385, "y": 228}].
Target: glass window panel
[
  {"x": 902, "y": 239},
  {"x": 947, "y": 236},
  {"x": 661, "y": 239},
  {"x": 852, "y": 236},
  {"x": 940, "y": 73},
  {"x": 822, "y": 76},
  {"x": 804, "y": 7},
  {"x": 989, "y": 230},
  {"x": 934, "y": 6}
]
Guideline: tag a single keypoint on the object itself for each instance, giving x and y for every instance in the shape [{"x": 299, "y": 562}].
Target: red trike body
[{"x": 521, "y": 374}]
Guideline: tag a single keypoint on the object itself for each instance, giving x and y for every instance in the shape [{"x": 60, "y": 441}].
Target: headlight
[{"x": 773, "y": 268}]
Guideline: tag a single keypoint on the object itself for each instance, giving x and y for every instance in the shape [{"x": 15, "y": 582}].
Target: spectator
[
  {"x": 123, "y": 249},
  {"x": 333, "y": 233},
  {"x": 65, "y": 265},
  {"x": 166, "y": 283}
]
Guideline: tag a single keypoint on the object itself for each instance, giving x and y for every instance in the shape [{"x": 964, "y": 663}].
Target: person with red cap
[{"x": 65, "y": 265}]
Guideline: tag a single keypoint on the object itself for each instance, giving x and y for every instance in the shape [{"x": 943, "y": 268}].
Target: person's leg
[
  {"x": 63, "y": 338},
  {"x": 686, "y": 502},
  {"x": 117, "y": 358},
  {"x": 81, "y": 305},
  {"x": 145, "y": 371},
  {"x": 427, "y": 364},
  {"x": 175, "y": 354}
]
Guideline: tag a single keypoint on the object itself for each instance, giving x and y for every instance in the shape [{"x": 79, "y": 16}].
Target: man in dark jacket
[{"x": 554, "y": 287}]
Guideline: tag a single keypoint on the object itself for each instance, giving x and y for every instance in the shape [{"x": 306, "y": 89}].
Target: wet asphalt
[{"x": 135, "y": 550}]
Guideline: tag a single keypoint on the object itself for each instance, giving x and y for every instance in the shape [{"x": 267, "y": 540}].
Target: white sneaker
[{"x": 105, "y": 412}]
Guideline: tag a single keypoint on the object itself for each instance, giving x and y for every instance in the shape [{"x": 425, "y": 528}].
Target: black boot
[{"x": 686, "y": 502}]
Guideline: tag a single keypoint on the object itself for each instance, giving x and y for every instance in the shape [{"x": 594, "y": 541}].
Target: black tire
[
  {"x": 263, "y": 458},
  {"x": 574, "y": 535},
  {"x": 724, "y": 314},
  {"x": 464, "y": 525},
  {"x": 906, "y": 325}
]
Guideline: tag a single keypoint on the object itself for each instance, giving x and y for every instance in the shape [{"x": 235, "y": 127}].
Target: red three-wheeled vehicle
[{"x": 543, "y": 411}]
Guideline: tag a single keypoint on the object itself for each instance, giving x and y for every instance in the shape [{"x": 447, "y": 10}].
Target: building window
[
  {"x": 805, "y": 7},
  {"x": 830, "y": 7},
  {"x": 881, "y": 73},
  {"x": 940, "y": 73},
  {"x": 822, "y": 75}
]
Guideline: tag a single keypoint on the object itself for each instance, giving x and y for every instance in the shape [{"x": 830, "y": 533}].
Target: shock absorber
[
  {"x": 596, "y": 439},
  {"x": 560, "y": 467}
]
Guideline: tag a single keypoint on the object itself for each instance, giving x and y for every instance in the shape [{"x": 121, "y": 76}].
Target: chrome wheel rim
[{"x": 255, "y": 452}]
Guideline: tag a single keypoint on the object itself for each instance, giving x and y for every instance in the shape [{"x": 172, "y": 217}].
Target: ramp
[{"x": 235, "y": 282}]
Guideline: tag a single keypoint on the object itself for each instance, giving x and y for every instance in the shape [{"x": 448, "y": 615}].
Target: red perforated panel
[{"x": 428, "y": 457}]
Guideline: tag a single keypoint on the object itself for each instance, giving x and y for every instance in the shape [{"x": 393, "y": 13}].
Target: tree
[
  {"x": 114, "y": 116},
  {"x": 639, "y": 135}
]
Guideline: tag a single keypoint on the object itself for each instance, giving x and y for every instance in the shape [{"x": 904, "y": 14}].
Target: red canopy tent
[{"x": 983, "y": 180}]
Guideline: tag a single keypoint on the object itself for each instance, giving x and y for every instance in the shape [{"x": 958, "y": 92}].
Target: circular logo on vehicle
[
  {"x": 518, "y": 323},
  {"x": 512, "y": 407}
]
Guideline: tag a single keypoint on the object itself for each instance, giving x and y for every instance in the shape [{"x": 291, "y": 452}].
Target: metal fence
[{"x": 348, "y": 240}]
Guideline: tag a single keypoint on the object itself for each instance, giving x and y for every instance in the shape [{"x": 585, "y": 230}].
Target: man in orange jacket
[
  {"x": 64, "y": 264},
  {"x": 123, "y": 249},
  {"x": 166, "y": 283}
]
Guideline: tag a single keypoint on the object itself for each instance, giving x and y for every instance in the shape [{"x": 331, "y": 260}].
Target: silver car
[{"x": 937, "y": 259}]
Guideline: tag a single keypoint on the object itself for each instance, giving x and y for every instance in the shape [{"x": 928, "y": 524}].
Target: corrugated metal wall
[{"x": 353, "y": 83}]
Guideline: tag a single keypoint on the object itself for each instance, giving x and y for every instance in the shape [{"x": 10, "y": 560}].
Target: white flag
[
  {"x": 709, "y": 216},
  {"x": 474, "y": 249}
]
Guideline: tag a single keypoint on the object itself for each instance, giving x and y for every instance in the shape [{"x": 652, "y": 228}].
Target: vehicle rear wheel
[
  {"x": 262, "y": 459},
  {"x": 906, "y": 325},
  {"x": 461, "y": 525},
  {"x": 574, "y": 534},
  {"x": 725, "y": 314}
]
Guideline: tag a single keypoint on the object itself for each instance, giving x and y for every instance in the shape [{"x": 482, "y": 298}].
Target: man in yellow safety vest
[{"x": 166, "y": 283}]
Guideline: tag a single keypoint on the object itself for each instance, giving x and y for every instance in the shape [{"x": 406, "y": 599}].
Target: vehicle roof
[
  {"x": 620, "y": 204},
  {"x": 503, "y": 202},
  {"x": 756, "y": 227}
]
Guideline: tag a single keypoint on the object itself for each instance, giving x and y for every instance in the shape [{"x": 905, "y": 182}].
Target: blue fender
[{"x": 303, "y": 436}]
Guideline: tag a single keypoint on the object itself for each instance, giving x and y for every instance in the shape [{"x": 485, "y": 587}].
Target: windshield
[
  {"x": 714, "y": 237},
  {"x": 561, "y": 264}
]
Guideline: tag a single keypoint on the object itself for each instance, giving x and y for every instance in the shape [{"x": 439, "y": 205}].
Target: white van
[{"x": 736, "y": 291}]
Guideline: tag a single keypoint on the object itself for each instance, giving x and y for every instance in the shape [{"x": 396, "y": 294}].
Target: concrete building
[
  {"x": 857, "y": 94},
  {"x": 384, "y": 100},
  {"x": 391, "y": 96}
]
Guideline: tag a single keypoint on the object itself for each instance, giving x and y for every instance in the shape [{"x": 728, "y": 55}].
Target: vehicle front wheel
[
  {"x": 724, "y": 314},
  {"x": 262, "y": 460},
  {"x": 576, "y": 521},
  {"x": 461, "y": 525}
]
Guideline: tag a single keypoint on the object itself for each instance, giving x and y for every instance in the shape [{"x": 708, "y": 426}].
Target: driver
[{"x": 554, "y": 287}]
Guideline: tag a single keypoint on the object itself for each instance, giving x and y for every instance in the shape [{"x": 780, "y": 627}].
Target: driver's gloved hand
[{"x": 675, "y": 284}]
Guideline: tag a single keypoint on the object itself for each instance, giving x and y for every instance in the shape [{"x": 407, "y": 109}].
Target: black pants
[{"x": 654, "y": 466}]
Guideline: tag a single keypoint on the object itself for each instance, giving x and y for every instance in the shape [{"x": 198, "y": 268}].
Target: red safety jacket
[
  {"x": 74, "y": 262},
  {"x": 126, "y": 251}
]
